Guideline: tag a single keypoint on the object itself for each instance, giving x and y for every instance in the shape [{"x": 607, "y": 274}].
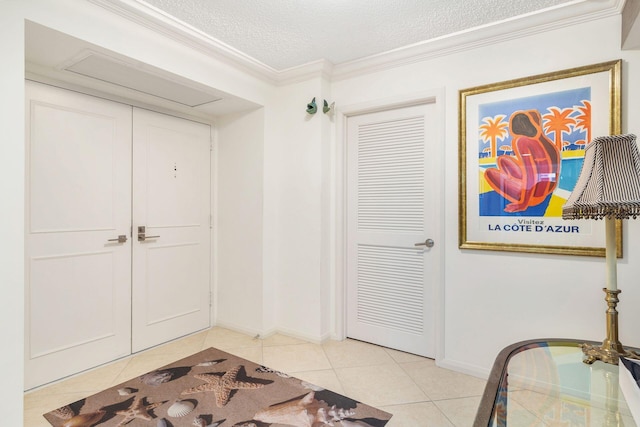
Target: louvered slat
[
  {"x": 391, "y": 175},
  {"x": 390, "y": 288}
]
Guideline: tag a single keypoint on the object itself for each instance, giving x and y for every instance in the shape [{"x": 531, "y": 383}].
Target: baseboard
[
  {"x": 463, "y": 368},
  {"x": 453, "y": 365},
  {"x": 253, "y": 332},
  {"x": 315, "y": 339}
]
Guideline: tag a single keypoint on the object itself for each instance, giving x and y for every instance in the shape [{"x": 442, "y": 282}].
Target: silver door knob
[
  {"x": 121, "y": 239},
  {"x": 428, "y": 243}
]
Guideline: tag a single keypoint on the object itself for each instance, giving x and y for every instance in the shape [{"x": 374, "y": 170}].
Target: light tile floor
[{"x": 412, "y": 388}]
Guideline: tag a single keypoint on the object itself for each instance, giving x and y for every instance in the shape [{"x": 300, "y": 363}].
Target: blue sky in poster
[
  {"x": 562, "y": 99},
  {"x": 493, "y": 204}
]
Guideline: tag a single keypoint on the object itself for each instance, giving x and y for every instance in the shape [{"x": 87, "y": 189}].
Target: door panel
[
  {"x": 172, "y": 201},
  {"x": 390, "y": 288},
  {"x": 59, "y": 280},
  {"x": 179, "y": 264},
  {"x": 390, "y": 208},
  {"x": 77, "y": 198}
]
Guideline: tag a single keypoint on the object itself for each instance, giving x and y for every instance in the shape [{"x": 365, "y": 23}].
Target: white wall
[
  {"x": 238, "y": 250},
  {"x": 302, "y": 141},
  {"x": 12, "y": 212},
  {"x": 493, "y": 299}
]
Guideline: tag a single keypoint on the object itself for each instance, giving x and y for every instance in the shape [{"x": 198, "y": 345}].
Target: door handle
[
  {"x": 121, "y": 239},
  {"x": 142, "y": 234},
  {"x": 428, "y": 243}
]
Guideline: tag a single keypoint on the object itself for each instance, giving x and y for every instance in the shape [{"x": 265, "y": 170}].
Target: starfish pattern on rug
[
  {"x": 137, "y": 410},
  {"x": 223, "y": 385}
]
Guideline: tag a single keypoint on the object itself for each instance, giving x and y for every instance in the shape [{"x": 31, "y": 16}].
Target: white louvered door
[{"x": 390, "y": 208}]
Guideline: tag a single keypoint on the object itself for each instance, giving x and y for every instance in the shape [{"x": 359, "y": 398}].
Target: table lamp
[{"x": 608, "y": 187}]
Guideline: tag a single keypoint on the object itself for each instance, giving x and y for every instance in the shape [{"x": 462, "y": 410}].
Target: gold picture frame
[{"x": 508, "y": 202}]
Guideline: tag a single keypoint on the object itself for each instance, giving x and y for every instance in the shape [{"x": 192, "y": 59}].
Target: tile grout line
[
  {"x": 333, "y": 369},
  {"x": 430, "y": 399},
  {"x": 442, "y": 412}
]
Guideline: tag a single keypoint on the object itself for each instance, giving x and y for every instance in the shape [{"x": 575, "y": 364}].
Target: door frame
[{"x": 339, "y": 258}]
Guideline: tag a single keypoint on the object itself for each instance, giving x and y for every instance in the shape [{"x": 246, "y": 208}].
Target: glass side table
[{"x": 545, "y": 383}]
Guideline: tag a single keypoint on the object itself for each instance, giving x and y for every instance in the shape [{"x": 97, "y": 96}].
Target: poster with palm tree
[
  {"x": 555, "y": 136},
  {"x": 522, "y": 144}
]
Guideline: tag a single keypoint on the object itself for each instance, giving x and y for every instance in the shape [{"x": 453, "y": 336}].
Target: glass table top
[{"x": 546, "y": 383}]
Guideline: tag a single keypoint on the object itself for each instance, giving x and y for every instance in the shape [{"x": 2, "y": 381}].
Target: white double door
[{"x": 98, "y": 287}]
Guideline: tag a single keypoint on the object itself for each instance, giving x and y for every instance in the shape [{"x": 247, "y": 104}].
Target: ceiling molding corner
[
  {"x": 156, "y": 20},
  {"x": 631, "y": 25},
  {"x": 320, "y": 68}
]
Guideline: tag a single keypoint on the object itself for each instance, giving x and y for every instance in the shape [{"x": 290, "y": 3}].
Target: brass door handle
[{"x": 121, "y": 239}]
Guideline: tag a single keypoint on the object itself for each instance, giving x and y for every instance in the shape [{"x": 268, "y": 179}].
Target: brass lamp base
[
  {"x": 606, "y": 353},
  {"x": 611, "y": 349}
]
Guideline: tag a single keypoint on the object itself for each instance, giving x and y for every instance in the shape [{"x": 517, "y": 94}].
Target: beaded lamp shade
[
  {"x": 609, "y": 183},
  {"x": 608, "y": 188}
]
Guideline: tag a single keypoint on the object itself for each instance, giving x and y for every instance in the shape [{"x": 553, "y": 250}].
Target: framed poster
[{"x": 521, "y": 149}]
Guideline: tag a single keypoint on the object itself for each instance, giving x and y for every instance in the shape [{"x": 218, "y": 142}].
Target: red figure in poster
[{"x": 527, "y": 178}]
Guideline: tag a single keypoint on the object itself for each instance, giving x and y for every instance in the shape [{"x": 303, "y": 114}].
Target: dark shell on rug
[{"x": 156, "y": 378}]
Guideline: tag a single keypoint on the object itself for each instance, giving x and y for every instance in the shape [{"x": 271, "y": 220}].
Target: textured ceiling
[{"x": 289, "y": 33}]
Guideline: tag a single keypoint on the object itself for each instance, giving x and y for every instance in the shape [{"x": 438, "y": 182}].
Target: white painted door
[
  {"x": 171, "y": 194},
  {"x": 391, "y": 207},
  {"x": 78, "y": 199}
]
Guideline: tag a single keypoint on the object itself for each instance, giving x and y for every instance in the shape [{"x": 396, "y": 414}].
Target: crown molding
[
  {"x": 567, "y": 14},
  {"x": 156, "y": 20}
]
